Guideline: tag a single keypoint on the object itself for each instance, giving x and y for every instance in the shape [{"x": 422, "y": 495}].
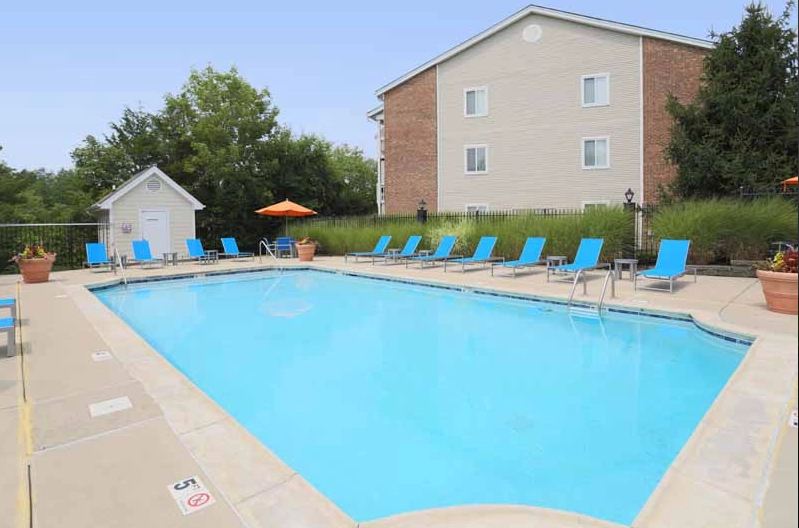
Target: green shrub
[
  {"x": 727, "y": 229},
  {"x": 563, "y": 233}
]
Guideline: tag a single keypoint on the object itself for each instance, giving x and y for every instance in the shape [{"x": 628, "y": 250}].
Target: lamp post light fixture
[
  {"x": 421, "y": 212},
  {"x": 629, "y": 195}
]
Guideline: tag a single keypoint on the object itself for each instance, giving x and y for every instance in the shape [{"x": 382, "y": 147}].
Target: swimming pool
[{"x": 392, "y": 397}]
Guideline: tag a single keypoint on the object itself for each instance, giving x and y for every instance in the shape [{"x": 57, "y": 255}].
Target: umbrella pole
[{"x": 287, "y": 225}]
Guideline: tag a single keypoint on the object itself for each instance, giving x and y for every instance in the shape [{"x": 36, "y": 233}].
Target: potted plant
[
  {"x": 779, "y": 282},
  {"x": 34, "y": 263},
  {"x": 305, "y": 249}
]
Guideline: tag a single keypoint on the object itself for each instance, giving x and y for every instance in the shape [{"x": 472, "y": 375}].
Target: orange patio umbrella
[
  {"x": 286, "y": 208},
  {"x": 789, "y": 181}
]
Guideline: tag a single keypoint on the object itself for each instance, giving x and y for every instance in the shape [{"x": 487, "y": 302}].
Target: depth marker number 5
[{"x": 191, "y": 495}]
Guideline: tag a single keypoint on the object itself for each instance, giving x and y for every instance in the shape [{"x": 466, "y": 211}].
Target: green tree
[
  {"x": 100, "y": 166},
  {"x": 215, "y": 135},
  {"x": 139, "y": 135},
  {"x": 356, "y": 177},
  {"x": 741, "y": 131}
]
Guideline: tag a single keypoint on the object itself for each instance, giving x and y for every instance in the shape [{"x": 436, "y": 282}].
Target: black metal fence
[
  {"x": 410, "y": 218},
  {"x": 67, "y": 240}
]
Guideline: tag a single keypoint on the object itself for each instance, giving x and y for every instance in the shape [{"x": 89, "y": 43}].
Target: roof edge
[
  {"x": 374, "y": 112},
  {"x": 106, "y": 202},
  {"x": 552, "y": 13}
]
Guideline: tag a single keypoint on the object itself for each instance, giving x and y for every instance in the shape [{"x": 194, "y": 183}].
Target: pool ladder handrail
[
  {"x": 263, "y": 244},
  {"x": 574, "y": 287},
  {"x": 610, "y": 275},
  {"x": 118, "y": 263}
]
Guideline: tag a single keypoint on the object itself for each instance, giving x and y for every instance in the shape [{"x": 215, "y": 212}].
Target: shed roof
[{"x": 136, "y": 180}]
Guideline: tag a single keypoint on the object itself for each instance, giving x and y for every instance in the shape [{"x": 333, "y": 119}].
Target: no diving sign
[{"x": 191, "y": 495}]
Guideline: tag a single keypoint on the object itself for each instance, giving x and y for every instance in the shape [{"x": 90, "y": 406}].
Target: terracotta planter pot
[
  {"x": 305, "y": 251},
  {"x": 36, "y": 269},
  {"x": 781, "y": 291}
]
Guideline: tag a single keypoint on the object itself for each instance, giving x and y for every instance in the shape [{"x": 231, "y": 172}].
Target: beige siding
[
  {"x": 126, "y": 210},
  {"x": 535, "y": 119}
]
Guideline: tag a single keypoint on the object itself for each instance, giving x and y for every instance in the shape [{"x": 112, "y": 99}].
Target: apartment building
[{"x": 546, "y": 109}]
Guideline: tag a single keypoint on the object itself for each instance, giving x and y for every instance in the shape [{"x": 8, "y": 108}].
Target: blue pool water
[{"x": 390, "y": 397}]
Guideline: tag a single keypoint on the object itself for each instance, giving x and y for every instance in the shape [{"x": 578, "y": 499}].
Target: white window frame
[
  {"x": 606, "y": 203},
  {"x": 466, "y": 159},
  {"x": 477, "y": 205},
  {"x": 475, "y": 89},
  {"x": 582, "y": 153},
  {"x": 582, "y": 89}
]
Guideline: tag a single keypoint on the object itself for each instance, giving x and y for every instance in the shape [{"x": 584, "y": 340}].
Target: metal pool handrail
[
  {"x": 263, "y": 244},
  {"x": 118, "y": 262},
  {"x": 574, "y": 286},
  {"x": 612, "y": 277}
]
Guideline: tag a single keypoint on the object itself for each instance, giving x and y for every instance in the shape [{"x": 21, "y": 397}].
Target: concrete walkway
[{"x": 115, "y": 469}]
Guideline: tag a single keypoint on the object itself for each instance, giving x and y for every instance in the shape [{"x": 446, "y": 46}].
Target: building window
[
  {"x": 475, "y": 102},
  {"x": 477, "y": 208},
  {"x": 597, "y": 204},
  {"x": 476, "y": 159},
  {"x": 596, "y": 90},
  {"x": 596, "y": 153}
]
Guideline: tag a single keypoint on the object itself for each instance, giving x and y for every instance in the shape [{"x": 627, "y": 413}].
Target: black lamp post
[
  {"x": 629, "y": 195},
  {"x": 629, "y": 248},
  {"x": 421, "y": 212}
]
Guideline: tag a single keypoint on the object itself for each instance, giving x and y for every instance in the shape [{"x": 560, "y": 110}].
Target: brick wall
[
  {"x": 411, "y": 160},
  {"x": 674, "y": 68}
]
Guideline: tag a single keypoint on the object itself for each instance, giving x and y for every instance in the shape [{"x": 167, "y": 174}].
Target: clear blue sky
[{"x": 67, "y": 69}]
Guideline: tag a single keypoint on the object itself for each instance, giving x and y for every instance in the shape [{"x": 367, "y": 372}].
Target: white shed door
[{"x": 155, "y": 229}]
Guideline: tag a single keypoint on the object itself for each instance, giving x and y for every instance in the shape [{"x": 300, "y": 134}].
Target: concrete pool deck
[{"x": 738, "y": 468}]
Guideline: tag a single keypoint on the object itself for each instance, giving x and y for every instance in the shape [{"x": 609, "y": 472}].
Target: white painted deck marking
[
  {"x": 191, "y": 495},
  {"x": 101, "y": 355},
  {"x": 109, "y": 406}
]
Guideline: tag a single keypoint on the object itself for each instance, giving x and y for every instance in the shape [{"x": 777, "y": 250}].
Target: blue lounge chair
[
  {"x": 587, "y": 258},
  {"x": 530, "y": 255},
  {"x": 670, "y": 265},
  {"x": 442, "y": 252},
  {"x": 97, "y": 255},
  {"x": 407, "y": 252},
  {"x": 142, "y": 255},
  {"x": 379, "y": 249},
  {"x": 482, "y": 254},
  {"x": 283, "y": 245},
  {"x": 231, "y": 249},
  {"x": 11, "y": 304},
  {"x": 196, "y": 251},
  {"x": 7, "y": 326}
]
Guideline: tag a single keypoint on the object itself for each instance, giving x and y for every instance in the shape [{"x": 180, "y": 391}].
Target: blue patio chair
[
  {"x": 283, "y": 245},
  {"x": 530, "y": 255},
  {"x": 442, "y": 252},
  {"x": 587, "y": 258},
  {"x": 379, "y": 249},
  {"x": 97, "y": 255},
  {"x": 231, "y": 249},
  {"x": 142, "y": 255},
  {"x": 407, "y": 252},
  {"x": 7, "y": 326},
  {"x": 11, "y": 304},
  {"x": 197, "y": 252},
  {"x": 670, "y": 265},
  {"x": 482, "y": 254}
]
